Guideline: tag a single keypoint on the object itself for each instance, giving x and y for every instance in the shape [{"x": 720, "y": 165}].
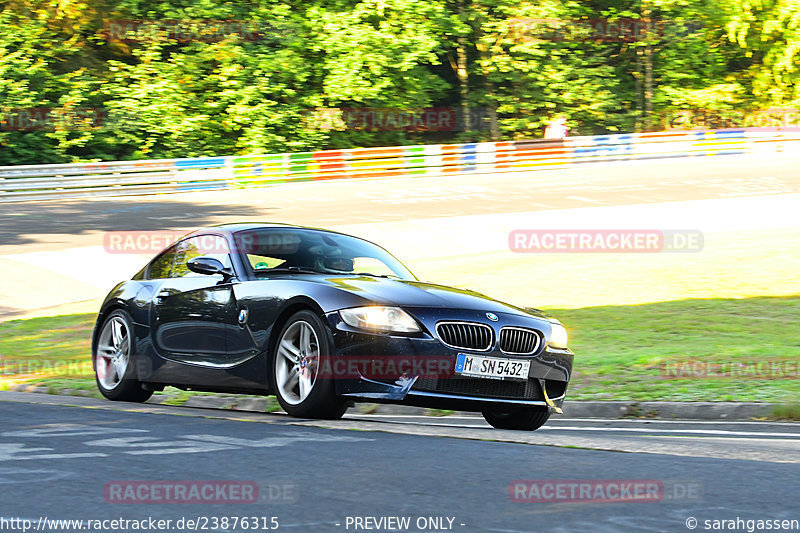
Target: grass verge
[
  {"x": 789, "y": 411},
  {"x": 688, "y": 350}
]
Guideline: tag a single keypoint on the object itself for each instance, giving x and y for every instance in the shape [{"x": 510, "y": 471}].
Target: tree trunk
[
  {"x": 648, "y": 68},
  {"x": 463, "y": 82},
  {"x": 639, "y": 91},
  {"x": 494, "y": 129},
  {"x": 462, "y": 73}
]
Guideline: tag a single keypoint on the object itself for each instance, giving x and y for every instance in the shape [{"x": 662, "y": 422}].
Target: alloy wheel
[
  {"x": 113, "y": 353},
  {"x": 297, "y": 362}
]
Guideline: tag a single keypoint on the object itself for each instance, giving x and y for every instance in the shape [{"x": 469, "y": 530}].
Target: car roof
[
  {"x": 228, "y": 229},
  {"x": 235, "y": 227}
]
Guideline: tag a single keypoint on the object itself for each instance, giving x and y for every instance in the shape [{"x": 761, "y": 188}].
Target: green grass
[
  {"x": 620, "y": 351},
  {"x": 789, "y": 411},
  {"x": 85, "y": 385},
  {"x": 439, "y": 412},
  {"x": 55, "y": 345}
]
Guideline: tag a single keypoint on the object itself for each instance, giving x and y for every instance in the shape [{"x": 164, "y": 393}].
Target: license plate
[{"x": 480, "y": 366}]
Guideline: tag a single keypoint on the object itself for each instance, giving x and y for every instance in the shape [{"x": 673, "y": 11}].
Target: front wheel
[
  {"x": 524, "y": 419},
  {"x": 113, "y": 361},
  {"x": 300, "y": 353}
]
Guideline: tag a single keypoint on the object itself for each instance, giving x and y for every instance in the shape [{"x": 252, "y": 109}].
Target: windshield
[{"x": 268, "y": 250}]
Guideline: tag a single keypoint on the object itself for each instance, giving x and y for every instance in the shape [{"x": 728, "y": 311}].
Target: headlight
[
  {"x": 558, "y": 335},
  {"x": 388, "y": 319}
]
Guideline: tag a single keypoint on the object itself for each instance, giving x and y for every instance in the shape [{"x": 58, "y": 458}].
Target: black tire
[
  {"x": 321, "y": 402},
  {"x": 128, "y": 388},
  {"x": 523, "y": 419}
]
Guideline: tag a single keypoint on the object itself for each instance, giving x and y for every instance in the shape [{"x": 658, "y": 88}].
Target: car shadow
[{"x": 20, "y": 223}]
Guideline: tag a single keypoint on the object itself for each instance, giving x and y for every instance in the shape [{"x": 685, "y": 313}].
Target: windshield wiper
[
  {"x": 308, "y": 270},
  {"x": 293, "y": 269},
  {"x": 388, "y": 276}
]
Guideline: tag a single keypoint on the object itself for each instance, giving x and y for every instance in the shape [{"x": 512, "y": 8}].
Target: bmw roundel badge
[{"x": 492, "y": 317}]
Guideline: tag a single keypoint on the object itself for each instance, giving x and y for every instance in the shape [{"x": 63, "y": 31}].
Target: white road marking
[
  {"x": 772, "y": 441},
  {"x": 10, "y": 475},
  {"x": 426, "y": 417},
  {"x": 271, "y": 442},
  {"x": 68, "y": 430},
  {"x": 15, "y": 451},
  {"x": 211, "y": 443},
  {"x": 652, "y": 431},
  {"x": 692, "y": 422},
  {"x": 595, "y": 420},
  {"x": 671, "y": 431}
]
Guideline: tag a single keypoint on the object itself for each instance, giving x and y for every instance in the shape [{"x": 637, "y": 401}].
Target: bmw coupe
[{"x": 321, "y": 320}]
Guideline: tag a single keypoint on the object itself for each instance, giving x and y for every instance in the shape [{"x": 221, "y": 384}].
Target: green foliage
[
  {"x": 768, "y": 32},
  {"x": 515, "y": 65}
]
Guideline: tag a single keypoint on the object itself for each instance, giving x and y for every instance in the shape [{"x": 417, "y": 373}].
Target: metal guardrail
[{"x": 61, "y": 181}]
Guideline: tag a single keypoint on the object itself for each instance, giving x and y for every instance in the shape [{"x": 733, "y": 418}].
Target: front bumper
[{"x": 545, "y": 387}]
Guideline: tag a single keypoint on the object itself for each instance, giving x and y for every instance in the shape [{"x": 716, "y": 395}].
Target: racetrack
[
  {"x": 449, "y": 229},
  {"x": 57, "y": 453},
  {"x": 55, "y": 460}
]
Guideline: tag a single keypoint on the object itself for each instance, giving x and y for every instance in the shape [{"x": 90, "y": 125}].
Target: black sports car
[{"x": 322, "y": 319}]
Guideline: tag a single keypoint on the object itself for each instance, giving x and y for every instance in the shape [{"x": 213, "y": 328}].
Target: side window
[
  {"x": 162, "y": 266},
  {"x": 202, "y": 245}
]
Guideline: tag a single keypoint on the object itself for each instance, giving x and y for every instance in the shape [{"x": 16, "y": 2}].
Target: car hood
[{"x": 419, "y": 294}]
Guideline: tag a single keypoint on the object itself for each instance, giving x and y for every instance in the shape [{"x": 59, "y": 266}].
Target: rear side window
[{"x": 162, "y": 266}]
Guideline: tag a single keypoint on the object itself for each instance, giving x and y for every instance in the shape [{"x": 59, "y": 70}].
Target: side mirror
[{"x": 206, "y": 265}]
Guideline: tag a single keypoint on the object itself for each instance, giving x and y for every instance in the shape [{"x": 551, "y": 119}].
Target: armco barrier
[{"x": 37, "y": 182}]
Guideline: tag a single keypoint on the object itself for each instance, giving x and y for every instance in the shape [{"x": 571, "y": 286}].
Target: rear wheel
[
  {"x": 524, "y": 419},
  {"x": 302, "y": 349},
  {"x": 113, "y": 362}
]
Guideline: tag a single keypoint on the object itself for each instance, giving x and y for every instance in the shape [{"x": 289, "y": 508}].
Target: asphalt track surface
[
  {"x": 60, "y": 243},
  {"x": 58, "y": 224},
  {"x": 57, "y": 454}
]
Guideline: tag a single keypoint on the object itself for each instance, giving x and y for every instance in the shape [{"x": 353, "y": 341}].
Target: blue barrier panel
[
  {"x": 737, "y": 134},
  {"x": 201, "y": 162},
  {"x": 198, "y": 186}
]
